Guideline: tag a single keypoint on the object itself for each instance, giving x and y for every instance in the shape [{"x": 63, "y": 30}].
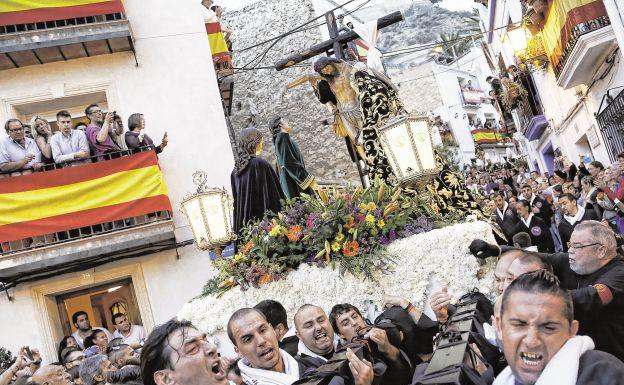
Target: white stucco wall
[{"x": 175, "y": 86}]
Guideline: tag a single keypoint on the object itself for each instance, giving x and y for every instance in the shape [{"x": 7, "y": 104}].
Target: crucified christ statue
[{"x": 361, "y": 101}]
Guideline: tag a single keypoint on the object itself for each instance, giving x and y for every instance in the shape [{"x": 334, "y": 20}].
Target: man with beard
[
  {"x": 103, "y": 130},
  {"x": 316, "y": 336},
  {"x": 176, "y": 353},
  {"x": 133, "y": 335},
  {"x": 80, "y": 319},
  {"x": 264, "y": 363},
  {"x": 349, "y": 324},
  {"x": 573, "y": 214},
  {"x": 127, "y": 362},
  {"x": 594, "y": 274},
  {"x": 350, "y": 91},
  {"x": 506, "y": 217},
  {"x": 540, "y": 342}
]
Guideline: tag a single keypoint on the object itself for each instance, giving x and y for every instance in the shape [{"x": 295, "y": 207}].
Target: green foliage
[{"x": 6, "y": 358}]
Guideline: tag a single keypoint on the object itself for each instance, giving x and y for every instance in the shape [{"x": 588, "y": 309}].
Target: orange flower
[
  {"x": 294, "y": 233},
  {"x": 350, "y": 249},
  {"x": 350, "y": 222},
  {"x": 266, "y": 278},
  {"x": 247, "y": 247}
]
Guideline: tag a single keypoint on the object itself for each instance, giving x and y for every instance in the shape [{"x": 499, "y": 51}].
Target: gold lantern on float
[
  {"x": 209, "y": 212},
  {"x": 408, "y": 143}
]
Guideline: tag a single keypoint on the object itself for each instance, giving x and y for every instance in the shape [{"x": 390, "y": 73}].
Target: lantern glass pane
[
  {"x": 195, "y": 217},
  {"x": 401, "y": 147},
  {"x": 422, "y": 139},
  {"x": 217, "y": 221}
]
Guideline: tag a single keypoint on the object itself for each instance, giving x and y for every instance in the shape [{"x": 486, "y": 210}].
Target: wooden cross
[{"x": 335, "y": 46}]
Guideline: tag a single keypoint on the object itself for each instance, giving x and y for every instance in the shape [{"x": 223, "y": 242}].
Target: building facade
[
  {"x": 574, "y": 79},
  {"x": 455, "y": 93},
  {"x": 153, "y": 58}
]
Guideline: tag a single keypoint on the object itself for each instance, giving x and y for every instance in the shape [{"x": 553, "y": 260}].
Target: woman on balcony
[
  {"x": 136, "y": 137},
  {"x": 42, "y": 133}
]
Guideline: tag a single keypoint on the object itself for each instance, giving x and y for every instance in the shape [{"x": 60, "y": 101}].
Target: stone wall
[{"x": 257, "y": 93}]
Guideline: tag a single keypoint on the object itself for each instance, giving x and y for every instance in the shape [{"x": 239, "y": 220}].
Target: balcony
[
  {"x": 35, "y": 36},
  {"x": 578, "y": 37},
  {"x": 472, "y": 98},
  {"x": 488, "y": 138},
  {"x": 87, "y": 213},
  {"x": 532, "y": 123}
]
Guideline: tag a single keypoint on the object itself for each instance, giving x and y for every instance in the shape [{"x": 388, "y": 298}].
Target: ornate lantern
[
  {"x": 408, "y": 144},
  {"x": 209, "y": 212}
]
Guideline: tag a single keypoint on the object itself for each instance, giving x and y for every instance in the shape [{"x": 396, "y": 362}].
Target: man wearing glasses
[
  {"x": 100, "y": 133},
  {"x": 17, "y": 152},
  {"x": 593, "y": 272}
]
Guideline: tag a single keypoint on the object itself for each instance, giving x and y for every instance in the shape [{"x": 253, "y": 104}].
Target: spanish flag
[
  {"x": 34, "y": 11},
  {"x": 218, "y": 46},
  {"x": 484, "y": 136},
  {"x": 567, "y": 19},
  {"x": 74, "y": 197}
]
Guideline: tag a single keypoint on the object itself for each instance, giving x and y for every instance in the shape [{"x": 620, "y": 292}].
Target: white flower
[{"x": 442, "y": 253}]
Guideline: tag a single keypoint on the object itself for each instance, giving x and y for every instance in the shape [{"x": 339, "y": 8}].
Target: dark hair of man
[
  {"x": 526, "y": 185},
  {"x": 89, "y": 108},
  {"x": 323, "y": 62},
  {"x": 522, "y": 239},
  {"x": 568, "y": 196},
  {"x": 114, "y": 344},
  {"x": 63, "y": 113},
  {"x": 116, "y": 316},
  {"x": 239, "y": 314},
  {"x": 155, "y": 352},
  {"x": 528, "y": 258},
  {"x": 588, "y": 179},
  {"x": 116, "y": 352},
  {"x": 6, "y": 125},
  {"x": 597, "y": 164},
  {"x": 558, "y": 188},
  {"x": 539, "y": 282},
  {"x": 339, "y": 310},
  {"x": 134, "y": 121},
  {"x": 620, "y": 155},
  {"x": 78, "y": 314},
  {"x": 524, "y": 203},
  {"x": 275, "y": 126},
  {"x": 274, "y": 312},
  {"x": 497, "y": 194}
]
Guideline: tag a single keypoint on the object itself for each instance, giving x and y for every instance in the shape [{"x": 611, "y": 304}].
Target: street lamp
[
  {"x": 518, "y": 40},
  {"x": 408, "y": 144},
  {"x": 209, "y": 212}
]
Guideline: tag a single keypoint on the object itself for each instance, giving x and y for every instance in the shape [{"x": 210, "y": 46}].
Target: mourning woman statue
[
  {"x": 293, "y": 175},
  {"x": 255, "y": 185}
]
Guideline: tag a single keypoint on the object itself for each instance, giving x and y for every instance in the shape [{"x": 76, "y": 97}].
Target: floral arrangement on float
[{"x": 348, "y": 230}]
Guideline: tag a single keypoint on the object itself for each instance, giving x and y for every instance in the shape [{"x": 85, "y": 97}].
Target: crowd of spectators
[
  {"x": 548, "y": 207},
  {"x": 31, "y": 147},
  {"x": 556, "y": 318}
]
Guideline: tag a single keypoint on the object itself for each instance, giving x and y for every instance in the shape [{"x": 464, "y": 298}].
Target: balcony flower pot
[
  {"x": 540, "y": 6},
  {"x": 535, "y": 18}
]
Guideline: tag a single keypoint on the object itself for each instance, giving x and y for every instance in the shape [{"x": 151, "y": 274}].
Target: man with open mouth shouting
[
  {"x": 540, "y": 342},
  {"x": 264, "y": 363},
  {"x": 176, "y": 353}
]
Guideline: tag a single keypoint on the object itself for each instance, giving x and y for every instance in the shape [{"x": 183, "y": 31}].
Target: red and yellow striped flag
[
  {"x": 218, "y": 46},
  {"x": 34, "y": 11},
  {"x": 484, "y": 136},
  {"x": 69, "y": 198}
]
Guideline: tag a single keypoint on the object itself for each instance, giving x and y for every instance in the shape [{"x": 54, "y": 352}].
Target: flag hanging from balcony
[
  {"x": 14, "y": 12},
  {"x": 74, "y": 197},
  {"x": 218, "y": 46},
  {"x": 567, "y": 21},
  {"x": 483, "y": 136}
]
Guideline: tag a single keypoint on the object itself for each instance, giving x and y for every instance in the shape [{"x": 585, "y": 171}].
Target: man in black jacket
[
  {"x": 573, "y": 214},
  {"x": 506, "y": 217},
  {"x": 594, "y": 274},
  {"x": 535, "y": 226},
  {"x": 539, "y": 206}
]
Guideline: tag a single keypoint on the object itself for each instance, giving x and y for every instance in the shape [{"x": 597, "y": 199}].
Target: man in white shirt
[
  {"x": 80, "y": 319},
  {"x": 17, "y": 152},
  {"x": 68, "y": 144},
  {"x": 133, "y": 335}
]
